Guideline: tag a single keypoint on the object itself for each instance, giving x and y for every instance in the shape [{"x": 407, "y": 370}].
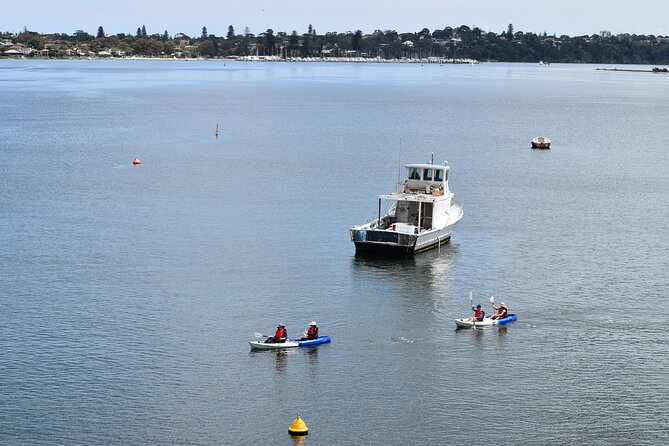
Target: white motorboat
[{"x": 420, "y": 216}]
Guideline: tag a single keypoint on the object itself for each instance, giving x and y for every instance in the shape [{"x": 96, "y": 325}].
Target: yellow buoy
[{"x": 299, "y": 427}]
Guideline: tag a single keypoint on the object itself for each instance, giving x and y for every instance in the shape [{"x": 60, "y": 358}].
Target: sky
[{"x": 566, "y": 17}]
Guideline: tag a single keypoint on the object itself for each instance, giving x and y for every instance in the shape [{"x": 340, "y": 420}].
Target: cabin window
[
  {"x": 439, "y": 175},
  {"x": 427, "y": 174},
  {"x": 414, "y": 173}
]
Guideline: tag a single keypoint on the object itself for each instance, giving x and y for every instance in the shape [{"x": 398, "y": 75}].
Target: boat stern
[{"x": 371, "y": 241}]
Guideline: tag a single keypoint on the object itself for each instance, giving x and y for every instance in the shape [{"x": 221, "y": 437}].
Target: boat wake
[{"x": 402, "y": 339}]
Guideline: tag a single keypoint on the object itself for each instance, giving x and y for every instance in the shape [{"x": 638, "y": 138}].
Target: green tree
[
  {"x": 81, "y": 36},
  {"x": 357, "y": 38},
  {"x": 293, "y": 43},
  {"x": 231, "y": 33},
  {"x": 509, "y": 32},
  {"x": 166, "y": 36},
  {"x": 206, "y": 48},
  {"x": 204, "y": 33},
  {"x": 169, "y": 47},
  {"x": 30, "y": 39},
  {"x": 143, "y": 31},
  {"x": 95, "y": 45},
  {"x": 125, "y": 47},
  {"x": 139, "y": 32},
  {"x": 269, "y": 42},
  {"x": 101, "y": 33}
]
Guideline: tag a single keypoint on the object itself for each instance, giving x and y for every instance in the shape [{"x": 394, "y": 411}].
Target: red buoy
[{"x": 136, "y": 162}]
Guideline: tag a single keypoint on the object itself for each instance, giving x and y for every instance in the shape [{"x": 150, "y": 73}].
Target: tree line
[{"x": 462, "y": 42}]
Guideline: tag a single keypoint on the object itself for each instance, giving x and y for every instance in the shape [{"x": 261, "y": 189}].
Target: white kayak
[
  {"x": 261, "y": 345},
  {"x": 486, "y": 322}
]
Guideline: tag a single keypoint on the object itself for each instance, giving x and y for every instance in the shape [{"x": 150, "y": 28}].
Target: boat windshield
[
  {"x": 438, "y": 175},
  {"x": 414, "y": 173}
]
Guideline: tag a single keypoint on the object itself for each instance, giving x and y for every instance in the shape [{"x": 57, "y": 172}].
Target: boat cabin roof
[{"x": 428, "y": 166}]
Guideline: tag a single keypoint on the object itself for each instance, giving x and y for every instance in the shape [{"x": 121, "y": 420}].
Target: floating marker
[
  {"x": 299, "y": 427},
  {"x": 136, "y": 162},
  {"x": 216, "y": 130}
]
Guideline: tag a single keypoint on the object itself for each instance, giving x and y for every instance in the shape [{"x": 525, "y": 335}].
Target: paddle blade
[
  {"x": 492, "y": 299},
  {"x": 258, "y": 334}
]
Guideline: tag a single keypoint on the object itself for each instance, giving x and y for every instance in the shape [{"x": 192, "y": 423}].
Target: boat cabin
[
  {"x": 422, "y": 202},
  {"x": 426, "y": 178}
]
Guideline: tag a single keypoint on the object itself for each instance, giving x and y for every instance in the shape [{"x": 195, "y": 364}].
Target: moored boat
[
  {"x": 541, "y": 142},
  {"x": 420, "y": 216},
  {"x": 486, "y": 322}
]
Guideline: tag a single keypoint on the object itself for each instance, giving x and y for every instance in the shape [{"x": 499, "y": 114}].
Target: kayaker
[
  {"x": 502, "y": 311},
  {"x": 280, "y": 335},
  {"x": 312, "y": 332},
  {"x": 479, "y": 314}
]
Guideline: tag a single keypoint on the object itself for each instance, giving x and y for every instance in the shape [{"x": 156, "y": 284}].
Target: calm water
[{"x": 128, "y": 294}]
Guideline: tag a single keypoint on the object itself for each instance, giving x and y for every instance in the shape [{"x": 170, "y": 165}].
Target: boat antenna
[{"x": 432, "y": 159}]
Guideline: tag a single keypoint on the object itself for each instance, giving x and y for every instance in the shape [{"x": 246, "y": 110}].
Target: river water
[{"x": 128, "y": 294}]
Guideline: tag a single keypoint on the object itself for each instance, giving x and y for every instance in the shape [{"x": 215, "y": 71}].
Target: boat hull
[
  {"x": 487, "y": 322},
  {"x": 312, "y": 342},
  {"x": 260, "y": 345},
  {"x": 393, "y": 244}
]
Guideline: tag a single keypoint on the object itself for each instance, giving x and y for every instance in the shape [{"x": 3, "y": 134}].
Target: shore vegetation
[{"x": 455, "y": 44}]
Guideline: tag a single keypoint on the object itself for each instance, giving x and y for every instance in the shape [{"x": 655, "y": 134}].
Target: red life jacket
[
  {"x": 281, "y": 332},
  {"x": 312, "y": 332},
  {"x": 479, "y": 314},
  {"x": 501, "y": 311}
]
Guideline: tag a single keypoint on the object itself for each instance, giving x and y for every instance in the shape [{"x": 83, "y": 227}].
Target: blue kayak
[
  {"x": 312, "y": 342},
  {"x": 505, "y": 320}
]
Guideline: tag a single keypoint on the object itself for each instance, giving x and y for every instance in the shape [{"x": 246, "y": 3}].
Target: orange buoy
[{"x": 136, "y": 162}]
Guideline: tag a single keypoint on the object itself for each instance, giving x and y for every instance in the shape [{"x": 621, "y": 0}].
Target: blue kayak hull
[
  {"x": 505, "y": 320},
  {"x": 312, "y": 342}
]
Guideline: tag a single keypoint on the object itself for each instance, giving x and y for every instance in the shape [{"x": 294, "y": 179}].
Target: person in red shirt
[
  {"x": 479, "y": 314},
  {"x": 280, "y": 335},
  {"x": 502, "y": 311},
  {"x": 312, "y": 332}
]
